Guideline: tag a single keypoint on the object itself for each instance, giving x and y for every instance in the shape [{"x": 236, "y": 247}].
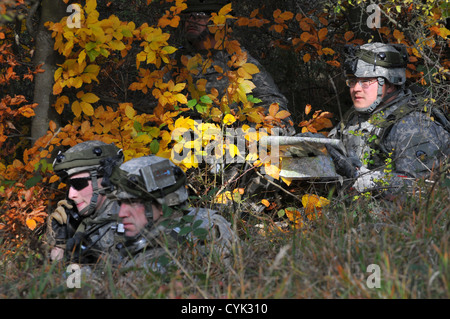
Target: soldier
[
  {"x": 80, "y": 226},
  {"x": 389, "y": 140},
  {"x": 197, "y": 39},
  {"x": 143, "y": 186}
]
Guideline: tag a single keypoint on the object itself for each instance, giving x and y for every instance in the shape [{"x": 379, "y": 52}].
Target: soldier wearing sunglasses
[{"x": 81, "y": 225}]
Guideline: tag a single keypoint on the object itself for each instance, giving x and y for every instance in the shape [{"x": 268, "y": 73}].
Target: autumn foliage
[{"x": 92, "y": 53}]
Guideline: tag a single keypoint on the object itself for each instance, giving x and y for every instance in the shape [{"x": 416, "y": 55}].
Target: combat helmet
[
  {"x": 204, "y": 5},
  {"x": 150, "y": 178},
  {"x": 88, "y": 157},
  {"x": 386, "y": 62}
]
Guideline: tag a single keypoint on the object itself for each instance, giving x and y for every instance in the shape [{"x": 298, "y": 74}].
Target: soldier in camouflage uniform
[
  {"x": 389, "y": 140},
  {"x": 143, "y": 186},
  {"x": 197, "y": 33},
  {"x": 81, "y": 225}
]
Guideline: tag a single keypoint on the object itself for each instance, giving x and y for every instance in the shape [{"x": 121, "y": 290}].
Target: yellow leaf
[
  {"x": 272, "y": 170},
  {"x": 287, "y": 180},
  {"x": 90, "y": 6},
  {"x": 169, "y": 49},
  {"x": 265, "y": 202},
  {"x": 87, "y": 108},
  {"x": 225, "y": 9},
  {"x": 293, "y": 215},
  {"x": 130, "y": 112},
  {"x": 233, "y": 150},
  {"x": 117, "y": 45},
  {"x": 90, "y": 98},
  {"x": 250, "y": 68},
  {"x": 311, "y": 202},
  {"x": 31, "y": 223},
  {"x": 60, "y": 102},
  {"x": 76, "y": 108},
  {"x": 53, "y": 179},
  {"x": 229, "y": 119},
  {"x": 181, "y": 98}
]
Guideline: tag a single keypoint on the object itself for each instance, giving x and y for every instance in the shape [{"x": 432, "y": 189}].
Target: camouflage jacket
[
  {"x": 409, "y": 148},
  {"x": 160, "y": 239},
  {"x": 86, "y": 240},
  {"x": 265, "y": 88}
]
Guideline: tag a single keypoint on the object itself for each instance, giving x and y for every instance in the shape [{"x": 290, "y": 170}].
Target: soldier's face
[
  {"x": 364, "y": 97},
  {"x": 81, "y": 191},
  {"x": 133, "y": 216},
  {"x": 196, "y": 23}
]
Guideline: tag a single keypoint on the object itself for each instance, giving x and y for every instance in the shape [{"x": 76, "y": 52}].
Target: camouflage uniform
[
  {"x": 265, "y": 88},
  {"x": 398, "y": 130},
  {"x": 154, "y": 179},
  {"x": 88, "y": 235}
]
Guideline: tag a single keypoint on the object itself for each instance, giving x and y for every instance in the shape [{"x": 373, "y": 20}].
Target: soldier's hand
[
  {"x": 56, "y": 229},
  {"x": 345, "y": 166},
  {"x": 60, "y": 214}
]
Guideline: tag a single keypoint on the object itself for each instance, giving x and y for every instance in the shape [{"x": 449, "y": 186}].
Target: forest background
[{"x": 63, "y": 83}]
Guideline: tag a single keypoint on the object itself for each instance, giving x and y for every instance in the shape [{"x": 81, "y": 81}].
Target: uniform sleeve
[
  {"x": 418, "y": 145},
  {"x": 268, "y": 92}
]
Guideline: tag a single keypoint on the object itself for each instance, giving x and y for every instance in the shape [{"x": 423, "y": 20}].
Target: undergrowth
[{"x": 407, "y": 239}]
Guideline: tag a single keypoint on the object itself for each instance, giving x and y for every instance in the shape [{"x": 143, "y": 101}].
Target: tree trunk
[{"x": 51, "y": 10}]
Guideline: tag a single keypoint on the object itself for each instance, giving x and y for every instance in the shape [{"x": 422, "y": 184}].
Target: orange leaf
[
  {"x": 273, "y": 109},
  {"x": 31, "y": 223},
  {"x": 306, "y": 57},
  {"x": 322, "y": 34},
  {"x": 307, "y": 109},
  {"x": 282, "y": 114},
  {"x": 278, "y": 27},
  {"x": 53, "y": 179},
  {"x": 348, "y": 35},
  {"x": 265, "y": 202}
]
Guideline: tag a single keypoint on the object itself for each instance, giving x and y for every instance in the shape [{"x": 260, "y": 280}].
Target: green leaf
[
  {"x": 200, "y": 233},
  {"x": 154, "y": 146},
  {"x": 90, "y": 46},
  {"x": 206, "y": 99},
  {"x": 127, "y": 33},
  {"x": 185, "y": 230},
  {"x": 163, "y": 260},
  {"x": 93, "y": 55},
  {"x": 197, "y": 224},
  {"x": 201, "y": 108},
  {"x": 33, "y": 181},
  {"x": 137, "y": 126},
  {"x": 188, "y": 218},
  {"x": 192, "y": 103}
]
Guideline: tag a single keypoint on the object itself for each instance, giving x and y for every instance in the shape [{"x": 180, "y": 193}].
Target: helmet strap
[
  {"x": 379, "y": 99},
  {"x": 88, "y": 210}
]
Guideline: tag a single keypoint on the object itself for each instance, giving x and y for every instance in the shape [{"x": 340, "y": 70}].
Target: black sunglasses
[{"x": 79, "y": 183}]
